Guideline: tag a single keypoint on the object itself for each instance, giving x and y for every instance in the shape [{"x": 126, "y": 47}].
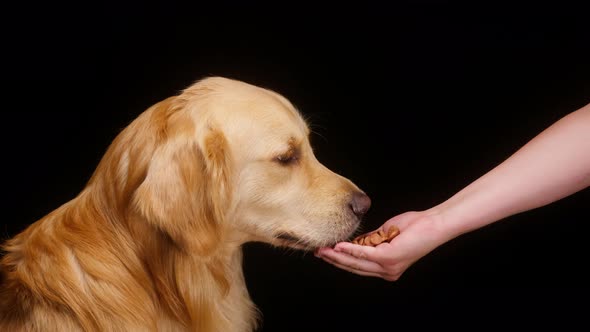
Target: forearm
[{"x": 553, "y": 165}]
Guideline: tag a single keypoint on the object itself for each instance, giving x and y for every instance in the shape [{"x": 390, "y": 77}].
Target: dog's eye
[{"x": 287, "y": 159}]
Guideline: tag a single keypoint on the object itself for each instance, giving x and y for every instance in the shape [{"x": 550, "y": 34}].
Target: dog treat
[{"x": 376, "y": 237}]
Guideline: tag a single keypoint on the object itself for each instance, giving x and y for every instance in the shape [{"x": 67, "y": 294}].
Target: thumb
[{"x": 400, "y": 221}]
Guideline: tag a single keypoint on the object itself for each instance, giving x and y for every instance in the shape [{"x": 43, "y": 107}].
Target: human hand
[{"x": 420, "y": 233}]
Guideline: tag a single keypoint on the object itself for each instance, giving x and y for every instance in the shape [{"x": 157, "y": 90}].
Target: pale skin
[{"x": 551, "y": 166}]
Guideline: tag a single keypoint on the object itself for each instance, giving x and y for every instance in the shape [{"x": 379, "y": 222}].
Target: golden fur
[{"x": 153, "y": 242}]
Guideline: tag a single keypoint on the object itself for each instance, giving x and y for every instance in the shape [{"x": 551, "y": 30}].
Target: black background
[{"x": 412, "y": 101}]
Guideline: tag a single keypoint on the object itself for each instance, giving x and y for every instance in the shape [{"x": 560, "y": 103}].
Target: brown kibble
[
  {"x": 391, "y": 233},
  {"x": 376, "y": 237},
  {"x": 358, "y": 241}
]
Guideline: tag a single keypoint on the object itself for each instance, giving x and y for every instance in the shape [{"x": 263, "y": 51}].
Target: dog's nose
[{"x": 360, "y": 204}]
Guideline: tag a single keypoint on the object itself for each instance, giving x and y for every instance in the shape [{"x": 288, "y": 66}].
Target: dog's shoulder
[{"x": 16, "y": 300}]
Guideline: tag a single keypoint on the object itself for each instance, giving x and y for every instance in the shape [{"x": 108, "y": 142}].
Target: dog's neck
[
  {"x": 196, "y": 288},
  {"x": 200, "y": 289},
  {"x": 161, "y": 283}
]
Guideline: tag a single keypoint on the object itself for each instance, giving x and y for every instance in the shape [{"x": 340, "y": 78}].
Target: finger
[
  {"x": 352, "y": 270},
  {"x": 358, "y": 251},
  {"x": 351, "y": 262}
]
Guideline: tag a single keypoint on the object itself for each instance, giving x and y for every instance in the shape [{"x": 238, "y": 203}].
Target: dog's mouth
[
  {"x": 293, "y": 241},
  {"x": 288, "y": 237},
  {"x": 290, "y": 240}
]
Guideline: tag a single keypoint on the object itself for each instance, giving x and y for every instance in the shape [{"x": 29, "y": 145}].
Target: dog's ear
[
  {"x": 217, "y": 161},
  {"x": 186, "y": 189}
]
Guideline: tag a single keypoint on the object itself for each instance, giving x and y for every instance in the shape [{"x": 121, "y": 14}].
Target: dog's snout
[{"x": 360, "y": 203}]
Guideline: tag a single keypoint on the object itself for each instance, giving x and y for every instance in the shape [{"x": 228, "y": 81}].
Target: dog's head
[{"x": 230, "y": 161}]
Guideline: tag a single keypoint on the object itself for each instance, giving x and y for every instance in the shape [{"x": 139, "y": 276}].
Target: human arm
[{"x": 553, "y": 165}]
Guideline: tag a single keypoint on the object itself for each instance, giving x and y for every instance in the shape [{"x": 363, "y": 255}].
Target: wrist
[{"x": 446, "y": 221}]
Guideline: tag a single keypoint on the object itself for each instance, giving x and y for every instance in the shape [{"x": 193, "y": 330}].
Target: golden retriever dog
[{"x": 154, "y": 240}]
